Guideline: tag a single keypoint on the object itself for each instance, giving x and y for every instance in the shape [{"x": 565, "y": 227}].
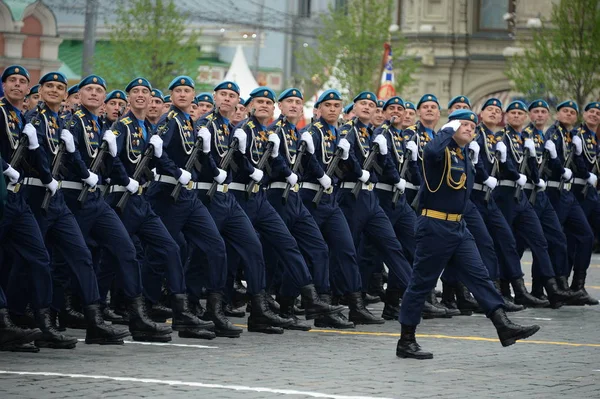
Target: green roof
[{"x": 17, "y": 8}]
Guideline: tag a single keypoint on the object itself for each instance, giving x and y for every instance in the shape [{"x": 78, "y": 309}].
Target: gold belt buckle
[
  {"x": 256, "y": 188},
  {"x": 370, "y": 187},
  {"x": 190, "y": 185},
  {"x": 92, "y": 189},
  {"x": 328, "y": 190},
  {"x": 15, "y": 187},
  {"x": 225, "y": 188},
  {"x": 59, "y": 184},
  {"x": 295, "y": 188},
  {"x": 140, "y": 190}
]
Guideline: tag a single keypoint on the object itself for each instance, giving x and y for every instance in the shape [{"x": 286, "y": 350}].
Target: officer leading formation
[{"x": 124, "y": 209}]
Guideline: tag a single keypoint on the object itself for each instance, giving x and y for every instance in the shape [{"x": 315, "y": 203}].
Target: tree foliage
[
  {"x": 564, "y": 56},
  {"x": 149, "y": 38},
  {"x": 349, "y": 47}
]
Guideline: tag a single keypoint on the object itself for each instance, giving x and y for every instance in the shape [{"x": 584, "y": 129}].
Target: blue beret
[
  {"x": 229, "y": 85},
  {"x": 463, "y": 115},
  {"x": 54, "y": 77},
  {"x": 15, "y": 70},
  {"x": 182, "y": 81},
  {"x": 330, "y": 94},
  {"x": 157, "y": 93},
  {"x": 36, "y": 89},
  {"x": 348, "y": 108},
  {"x": 73, "y": 90},
  {"x": 138, "y": 82},
  {"x": 247, "y": 102},
  {"x": 517, "y": 104},
  {"x": 92, "y": 80},
  {"x": 594, "y": 104},
  {"x": 537, "y": 104},
  {"x": 393, "y": 101},
  {"x": 426, "y": 98},
  {"x": 366, "y": 95},
  {"x": 380, "y": 103},
  {"x": 167, "y": 98},
  {"x": 116, "y": 95},
  {"x": 409, "y": 105},
  {"x": 492, "y": 102},
  {"x": 242, "y": 102},
  {"x": 459, "y": 99},
  {"x": 262, "y": 91},
  {"x": 293, "y": 92},
  {"x": 568, "y": 103},
  {"x": 206, "y": 97},
  {"x": 195, "y": 100}
]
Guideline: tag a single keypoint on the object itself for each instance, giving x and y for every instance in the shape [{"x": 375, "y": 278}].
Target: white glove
[
  {"x": 401, "y": 185},
  {"x": 592, "y": 180},
  {"x": 157, "y": 143},
  {"x": 454, "y": 125},
  {"x": 365, "y": 176},
  {"x": 67, "y": 137},
  {"x": 491, "y": 182},
  {"x": 567, "y": 175},
  {"x": 91, "y": 180},
  {"x": 220, "y": 178},
  {"x": 382, "y": 141},
  {"x": 530, "y": 146},
  {"x": 257, "y": 175},
  {"x": 578, "y": 145},
  {"x": 474, "y": 146},
  {"x": 551, "y": 148},
  {"x": 31, "y": 134},
  {"x": 185, "y": 177},
  {"x": 325, "y": 181},
  {"x": 52, "y": 186},
  {"x": 501, "y": 148},
  {"x": 242, "y": 137},
  {"x": 414, "y": 151},
  {"x": 292, "y": 179},
  {"x": 12, "y": 174},
  {"x": 310, "y": 144},
  {"x": 521, "y": 180},
  {"x": 344, "y": 144},
  {"x": 111, "y": 140},
  {"x": 204, "y": 133},
  {"x": 133, "y": 186},
  {"x": 273, "y": 138},
  {"x": 541, "y": 184}
]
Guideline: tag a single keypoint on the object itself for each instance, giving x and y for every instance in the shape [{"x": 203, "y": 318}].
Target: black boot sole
[
  {"x": 23, "y": 339},
  {"x": 184, "y": 327},
  {"x": 298, "y": 327},
  {"x": 336, "y": 326},
  {"x": 149, "y": 337},
  {"x": 104, "y": 341},
  {"x": 265, "y": 329},
  {"x": 55, "y": 345},
  {"x": 22, "y": 348},
  {"x": 227, "y": 334},
  {"x": 408, "y": 355},
  {"x": 197, "y": 334},
  {"x": 526, "y": 334},
  {"x": 311, "y": 315}
]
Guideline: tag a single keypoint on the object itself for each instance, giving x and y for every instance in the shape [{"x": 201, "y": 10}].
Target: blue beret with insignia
[
  {"x": 569, "y": 104},
  {"x": 242, "y": 102},
  {"x": 463, "y": 115},
  {"x": 167, "y": 98},
  {"x": 73, "y": 90},
  {"x": 206, "y": 98},
  {"x": 138, "y": 82},
  {"x": 459, "y": 100},
  {"x": 348, "y": 108},
  {"x": 116, "y": 95},
  {"x": 15, "y": 70},
  {"x": 492, "y": 102},
  {"x": 54, "y": 77},
  {"x": 229, "y": 85},
  {"x": 263, "y": 91},
  {"x": 409, "y": 105},
  {"x": 36, "y": 89},
  {"x": 393, "y": 101},
  {"x": 539, "y": 103},
  {"x": 182, "y": 81},
  {"x": 293, "y": 92},
  {"x": 591, "y": 105},
  {"x": 366, "y": 95},
  {"x": 380, "y": 103},
  {"x": 517, "y": 104},
  {"x": 247, "y": 102},
  {"x": 195, "y": 100},
  {"x": 92, "y": 80},
  {"x": 426, "y": 98},
  {"x": 330, "y": 94},
  {"x": 158, "y": 94}
]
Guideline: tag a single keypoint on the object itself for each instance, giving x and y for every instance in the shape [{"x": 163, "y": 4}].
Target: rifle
[
  {"x": 403, "y": 173},
  {"x": 263, "y": 160},
  {"x": 587, "y": 186},
  {"x": 297, "y": 163},
  {"x": 522, "y": 168},
  {"x": 137, "y": 174},
  {"x": 535, "y": 190},
  {"x": 367, "y": 165},
  {"x": 568, "y": 161},
  {"x": 189, "y": 166}
]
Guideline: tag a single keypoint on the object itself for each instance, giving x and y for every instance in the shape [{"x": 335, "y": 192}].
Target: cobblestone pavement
[{"x": 562, "y": 360}]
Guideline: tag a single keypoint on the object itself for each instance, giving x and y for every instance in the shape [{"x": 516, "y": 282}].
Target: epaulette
[
  {"x": 43, "y": 111},
  {"x": 250, "y": 124},
  {"x": 171, "y": 115},
  {"x": 528, "y": 129},
  {"x": 80, "y": 113},
  {"x": 383, "y": 126},
  {"x": 126, "y": 120},
  {"x": 279, "y": 122},
  {"x": 318, "y": 125},
  {"x": 412, "y": 128},
  {"x": 211, "y": 116}
]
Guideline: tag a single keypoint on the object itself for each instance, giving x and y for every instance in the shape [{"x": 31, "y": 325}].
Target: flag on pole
[{"x": 386, "y": 87}]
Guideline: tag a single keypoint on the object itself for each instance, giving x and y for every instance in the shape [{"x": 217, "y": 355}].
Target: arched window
[{"x": 32, "y": 27}]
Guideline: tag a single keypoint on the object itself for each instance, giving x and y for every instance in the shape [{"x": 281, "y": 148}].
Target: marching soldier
[
  {"x": 155, "y": 109},
  {"x": 379, "y": 116},
  {"x": 348, "y": 112},
  {"x": 410, "y": 115},
  {"x": 167, "y": 103},
  {"x": 240, "y": 113},
  {"x": 114, "y": 104},
  {"x": 33, "y": 98},
  {"x": 206, "y": 103},
  {"x": 72, "y": 102}
]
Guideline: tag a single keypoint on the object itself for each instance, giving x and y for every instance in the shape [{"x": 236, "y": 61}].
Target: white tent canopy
[{"x": 240, "y": 73}]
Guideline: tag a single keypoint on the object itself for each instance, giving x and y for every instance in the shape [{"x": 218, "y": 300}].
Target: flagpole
[{"x": 386, "y": 50}]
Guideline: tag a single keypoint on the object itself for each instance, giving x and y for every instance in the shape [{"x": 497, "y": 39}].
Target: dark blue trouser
[
  {"x": 442, "y": 244},
  {"x": 275, "y": 234},
  {"x": 190, "y": 216},
  {"x": 525, "y": 225},
  {"x": 3, "y": 303},
  {"x": 344, "y": 275},
  {"x": 504, "y": 239},
  {"x": 304, "y": 229},
  {"x": 365, "y": 217}
]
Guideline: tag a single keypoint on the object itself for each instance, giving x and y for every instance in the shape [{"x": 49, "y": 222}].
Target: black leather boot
[
  {"x": 158, "y": 312},
  {"x": 578, "y": 284},
  {"x": 313, "y": 305},
  {"x": 509, "y": 305},
  {"x": 262, "y": 319},
  {"x": 214, "y": 312},
  {"x": 287, "y": 312},
  {"x": 558, "y": 297},
  {"x": 448, "y": 300},
  {"x": 431, "y": 312},
  {"x": 231, "y": 312},
  {"x": 408, "y": 347},
  {"x": 464, "y": 300},
  {"x": 12, "y": 336},
  {"x": 142, "y": 328},
  {"x": 370, "y": 299},
  {"x": 376, "y": 286},
  {"x": 359, "y": 314},
  {"x": 69, "y": 317},
  {"x": 522, "y": 297},
  {"x": 109, "y": 315},
  {"x": 196, "y": 307},
  {"x": 336, "y": 320},
  {"x": 239, "y": 294},
  {"x": 392, "y": 304},
  {"x": 51, "y": 338},
  {"x": 432, "y": 299},
  {"x": 537, "y": 289},
  {"x": 505, "y": 290},
  {"x": 509, "y": 332},
  {"x": 28, "y": 347},
  {"x": 25, "y": 320},
  {"x": 563, "y": 284},
  {"x": 119, "y": 303},
  {"x": 98, "y": 332},
  {"x": 183, "y": 318}
]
